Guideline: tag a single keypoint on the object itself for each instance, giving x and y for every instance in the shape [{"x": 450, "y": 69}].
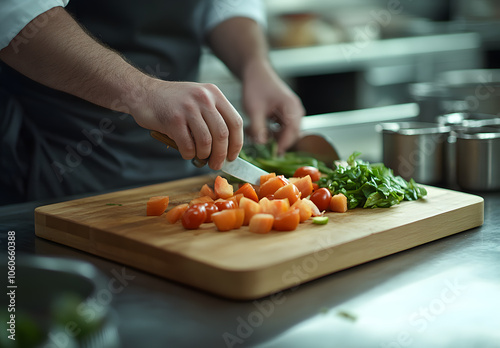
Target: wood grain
[{"x": 239, "y": 264}]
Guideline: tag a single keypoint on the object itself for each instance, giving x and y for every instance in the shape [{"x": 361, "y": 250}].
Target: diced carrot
[
  {"x": 248, "y": 191},
  {"x": 287, "y": 221},
  {"x": 305, "y": 210},
  {"x": 222, "y": 188},
  {"x": 261, "y": 223},
  {"x": 290, "y": 191},
  {"x": 174, "y": 214},
  {"x": 156, "y": 205},
  {"x": 251, "y": 208},
  {"x": 207, "y": 191},
  {"x": 224, "y": 220},
  {"x": 338, "y": 203},
  {"x": 265, "y": 177},
  {"x": 203, "y": 199},
  {"x": 272, "y": 185},
  {"x": 305, "y": 185}
]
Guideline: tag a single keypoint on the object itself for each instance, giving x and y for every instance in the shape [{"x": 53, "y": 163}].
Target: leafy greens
[{"x": 370, "y": 185}]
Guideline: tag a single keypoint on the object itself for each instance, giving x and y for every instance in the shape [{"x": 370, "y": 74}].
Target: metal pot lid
[{"x": 412, "y": 128}]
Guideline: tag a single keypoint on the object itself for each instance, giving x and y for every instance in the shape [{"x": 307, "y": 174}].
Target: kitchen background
[{"x": 356, "y": 63}]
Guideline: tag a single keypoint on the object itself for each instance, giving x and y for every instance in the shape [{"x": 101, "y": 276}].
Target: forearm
[
  {"x": 61, "y": 55},
  {"x": 241, "y": 44}
]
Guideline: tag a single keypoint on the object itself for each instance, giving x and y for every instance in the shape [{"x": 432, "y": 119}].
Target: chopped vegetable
[
  {"x": 320, "y": 220},
  {"x": 250, "y": 207},
  {"x": 287, "y": 221},
  {"x": 207, "y": 191},
  {"x": 272, "y": 185},
  {"x": 338, "y": 203},
  {"x": 222, "y": 188},
  {"x": 225, "y": 220},
  {"x": 321, "y": 198},
  {"x": 194, "y": 216},
  {"x": 248, "y": 191},
  {"x": 290, "y": 191},
  {"x": 313, "y": 172},
  {"x": 266, "y": 156},
  {"x": 305, "y": 185},
  {"x": 370, "y": 185},
  {"x": 305, "y": 210},
  {"x": 261, "y": 223},
  {"x": 156, "y": 205},
  {"x": 117, "y": 204},
  {"x": 174, "y": 214}
]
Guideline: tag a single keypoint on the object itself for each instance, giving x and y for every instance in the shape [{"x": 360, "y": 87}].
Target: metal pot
[
  {"x": 415, "y": 150},
  {"x": 478, "y": 158}
]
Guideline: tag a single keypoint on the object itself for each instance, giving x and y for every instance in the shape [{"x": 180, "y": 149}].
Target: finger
[
  {"x": 290, "y": 128},
  {"x": 234, "y": 126},
  {"x": 258, "y": 129},
  {"x": 201, "y": 135},
  {"x": 220, "y": 137},
  {"x": 184, "y": 142}
]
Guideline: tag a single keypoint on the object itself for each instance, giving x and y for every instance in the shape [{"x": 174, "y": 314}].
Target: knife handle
[{"x": 170, "y": 142}]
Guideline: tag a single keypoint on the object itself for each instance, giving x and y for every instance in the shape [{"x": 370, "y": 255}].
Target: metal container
[
  {"x": 478, "y": 158},
  {"x": 477, "y": 89},
  {"x": 415, "y": 150}
]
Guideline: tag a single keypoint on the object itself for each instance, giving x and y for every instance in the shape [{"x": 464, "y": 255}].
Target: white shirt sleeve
[
  {"x": 221, "y": 10},
  {"x": 16, "y": 14}
]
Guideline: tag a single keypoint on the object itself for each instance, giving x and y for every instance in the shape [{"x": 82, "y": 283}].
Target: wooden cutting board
[{"x": 239, "y": 264}]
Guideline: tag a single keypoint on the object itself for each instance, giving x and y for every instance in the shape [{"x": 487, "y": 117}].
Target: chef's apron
[{"x": 54, "y": 144}]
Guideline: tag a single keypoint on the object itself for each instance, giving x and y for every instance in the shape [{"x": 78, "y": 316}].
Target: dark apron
[{"x": 54, "y": 144}]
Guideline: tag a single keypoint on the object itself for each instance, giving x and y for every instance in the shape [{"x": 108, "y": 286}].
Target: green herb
[
  {"x": 370, "y": 185},
  {"x": 347, "y": 315},
  {"x": 320, "y": 220},
  {"x": 265, "y": 156},
  {"x": 118, "y": 204}
]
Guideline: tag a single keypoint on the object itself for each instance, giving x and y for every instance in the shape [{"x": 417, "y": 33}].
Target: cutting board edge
[{"x": 250, "y": 284}]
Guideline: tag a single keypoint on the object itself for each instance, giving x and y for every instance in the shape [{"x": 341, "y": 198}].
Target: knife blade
[{"x": 239, "y": 168}]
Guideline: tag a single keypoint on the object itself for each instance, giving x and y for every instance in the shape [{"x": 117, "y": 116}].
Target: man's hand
[
  {"x": 62, "y": 56},
  {"x": 196, "y": 116},
  {"x": 266, "y": 96},
  {"x": 241, "y": 44}
]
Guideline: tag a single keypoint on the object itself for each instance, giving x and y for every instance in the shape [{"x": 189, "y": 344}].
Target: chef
[{"x": 82, "y": 83}]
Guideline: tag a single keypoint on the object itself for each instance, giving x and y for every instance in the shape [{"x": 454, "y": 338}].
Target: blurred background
[{"x": 356, "y": 63}]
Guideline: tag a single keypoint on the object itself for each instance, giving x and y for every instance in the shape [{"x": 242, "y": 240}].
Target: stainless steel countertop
[{"x": 442, "y": 294}]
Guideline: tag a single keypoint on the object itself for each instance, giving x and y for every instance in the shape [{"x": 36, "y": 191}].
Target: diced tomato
[
  {"x": 235, "y": 199},
  {"x": 248, "y": 191},
  {"x": 194, "y": 216},
  {"x": 261, "y": 223},
  {"x": 314, "y": 209},
  {"x": 313, "y": 172},
  {"x": 207, "y": 191},
  {"x": 202, "y": 199},
  {"x": 211, "y": 208},
  {"x": 224, "y": 204},
  {"x": 287, "y": 221},
  {"x": 239, "y": 217},
  {"x": 338, "y": 203},
  {"x": 305, "y": 185},
  {"x": 174, "y": 214},
  {"x": 289, "y": 191},
  {"x": 225, "y": 220},
  {"x": 305, "y": 210},
  {"x": 315, "y": 186},
  {"x": 265, "y": 177},
  {"x": 222, "y": 188},
  {"x": 275, "y": 206},
  {"x": 272, "y": 185},
  {"x": 251, "y": 208},
  {"x": 156, "y": 205},
  {"x": 321, "y": 197}
]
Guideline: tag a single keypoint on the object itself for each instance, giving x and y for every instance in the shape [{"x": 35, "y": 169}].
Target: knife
[{"x": 239, "y": 168}]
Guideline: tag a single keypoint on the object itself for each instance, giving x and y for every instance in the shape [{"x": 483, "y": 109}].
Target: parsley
[{"x": 370, "y": 185}]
